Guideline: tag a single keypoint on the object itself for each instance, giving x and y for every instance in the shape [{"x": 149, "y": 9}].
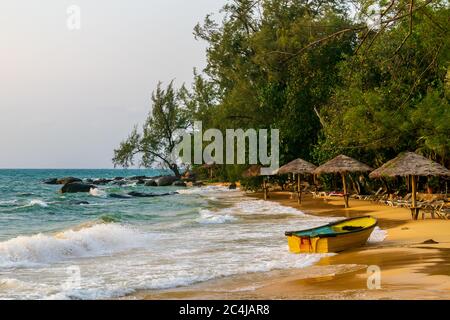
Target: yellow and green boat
[{"x": 334, "y": 237}]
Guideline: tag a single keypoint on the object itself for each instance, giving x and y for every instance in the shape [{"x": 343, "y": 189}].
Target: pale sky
[{"x": 67, "y": 98}]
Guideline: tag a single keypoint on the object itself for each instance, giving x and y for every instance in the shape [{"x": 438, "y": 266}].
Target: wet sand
[{"x": 409, "y": 268}]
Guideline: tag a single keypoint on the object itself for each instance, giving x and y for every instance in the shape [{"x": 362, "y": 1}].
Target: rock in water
[
  {"x": 120, "y": 196},
  {"x": 138, "y": 178},
  {"x": 150, "y": 195},
  {"x": 67, "y": 180},
  {"x": 233, "y": 186},
  {"x": 76, "y": 187},
  {"x": 151, "y": 183},
  {"x": 102, "y": 181},
  {"x": 179, "y": 184},
  {"x": 166, "y": 181},
  {"x": 51, "y": 181}
]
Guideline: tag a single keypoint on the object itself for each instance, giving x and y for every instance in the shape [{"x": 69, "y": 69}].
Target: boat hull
[{"x": 330, "y": 242}]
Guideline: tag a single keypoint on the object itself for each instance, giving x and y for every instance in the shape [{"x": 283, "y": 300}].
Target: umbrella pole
[
  {"x": 344, "y": 182},
  {"x": 265, "y": 189},
  {"x": 299, "y": 182},
  {"x": 414, "y": 210}
]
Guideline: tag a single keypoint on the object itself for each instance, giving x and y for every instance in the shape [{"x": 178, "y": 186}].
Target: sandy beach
[{"x": 411, "y": 268}]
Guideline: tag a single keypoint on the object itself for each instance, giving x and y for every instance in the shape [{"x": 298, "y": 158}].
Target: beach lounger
[{"x": 442, "y": 211}]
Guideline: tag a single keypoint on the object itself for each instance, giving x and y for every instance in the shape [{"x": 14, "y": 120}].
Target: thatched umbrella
[
  {"x": 255, "y": 171},
  {"x": 343, "y": 165},
  {"x": 298, "y": 167},
  {"x": 410, "y": 164}
]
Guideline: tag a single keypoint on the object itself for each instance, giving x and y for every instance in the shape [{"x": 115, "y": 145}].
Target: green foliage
[
  {"x": 158, "y": 138},
  {"x": 369, "y": 82}
]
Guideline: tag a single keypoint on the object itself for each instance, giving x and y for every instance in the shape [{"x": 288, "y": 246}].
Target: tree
[
  {"x": 391, "y": 96},
  {"x": 158, "y": 138}
]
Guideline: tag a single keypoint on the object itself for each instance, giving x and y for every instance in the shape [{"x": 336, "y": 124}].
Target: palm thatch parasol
[
  {"x": 343, "y": 165},
  {"x": 410, "y": 164},
  {"x": 298, "y": 167},
  {"x": 255, "y": 171}
]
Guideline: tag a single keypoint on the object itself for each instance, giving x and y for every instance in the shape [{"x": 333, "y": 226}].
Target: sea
[{"x": 93, "y": 246}]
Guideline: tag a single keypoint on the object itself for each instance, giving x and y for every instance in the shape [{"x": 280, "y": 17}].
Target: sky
[{"x": 69, "y": 96}]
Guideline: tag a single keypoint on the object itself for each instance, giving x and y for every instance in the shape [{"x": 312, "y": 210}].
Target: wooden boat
[{"x": 334, "y": 237}]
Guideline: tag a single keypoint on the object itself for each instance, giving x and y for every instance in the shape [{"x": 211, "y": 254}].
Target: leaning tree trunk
[{"x": 175, "y": 170}]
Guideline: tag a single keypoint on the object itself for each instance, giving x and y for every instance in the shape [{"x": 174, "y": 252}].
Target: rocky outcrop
[
  {"x": 166, "y": 181},
  {"x": 150, "y": 195},
  {"x": 101, "y": 182},
  {"x": 198, "y": 184},
  {"x": 67, "y": 180},
  {"x": 120, "y": 196},
  {"x": 77, "y": 187},
  {"x": 138, "y": 178},
  {"x": 232, "y": 186},
  {"x": 51, "y": 181},
  {"x": 179, "y": 183},
  {"x": 151, "y": 183}
]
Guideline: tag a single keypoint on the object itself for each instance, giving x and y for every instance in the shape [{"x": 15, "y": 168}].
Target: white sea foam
[
  {"x": 98, "y": 240},
  {"x": 95, "y": 192},
  {"x": 37, "y": 202},
  {"x": 8, "y": 202},
  {"x": 206, "y": 190},
  {"x": 209, "y": 217}
]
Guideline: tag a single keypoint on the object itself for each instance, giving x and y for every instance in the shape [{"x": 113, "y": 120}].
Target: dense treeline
[{"x": 368, "y": 78}]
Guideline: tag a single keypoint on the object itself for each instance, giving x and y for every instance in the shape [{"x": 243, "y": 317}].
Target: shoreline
[{"x": 409, "y": 268}]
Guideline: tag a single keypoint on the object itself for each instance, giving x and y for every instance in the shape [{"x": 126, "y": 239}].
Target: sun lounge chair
[
  {"x": 383, "y": 199},
  {"x": 403, "y": 202},
  {"x": 442, "y": 211},
  {"x": 375, "y": 196}
]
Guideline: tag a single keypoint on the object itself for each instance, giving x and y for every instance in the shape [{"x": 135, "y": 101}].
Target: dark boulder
[
  {"x": 51, "y": 181},
  {"x": 166, "y": 181},
  {"x": 150, "y": 195},
  {"x": 76, "y": 187},
  {"x": 151, "y": 183},
  {"x": 118, "y": 178},
  {"x": 89, "y": 181},
  {"x": 67, "y": 180},
  {"x": 232, "y": 186},
  {"x": 198, "y": 184},
  {"x": 120, "y": 196},
  {"x": 101, "y": 182},
  {"x": 120, "y": 183},
  {"x": 79, "y": 203},
  {"x": 179, "y": 184},
  {"x": 137, "y": 178}
]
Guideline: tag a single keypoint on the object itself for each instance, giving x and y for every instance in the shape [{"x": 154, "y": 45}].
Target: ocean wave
[
  {"x": 259, "y": 207},
  {"x": 95, "y": 192},
  {"x": 96, "y": 240},
  {"x": 209, "y": 217},
  {"x": 36, "y": 203},
  {"x": 206, "y": 190},
  {"x": 8, "y": 202}
]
